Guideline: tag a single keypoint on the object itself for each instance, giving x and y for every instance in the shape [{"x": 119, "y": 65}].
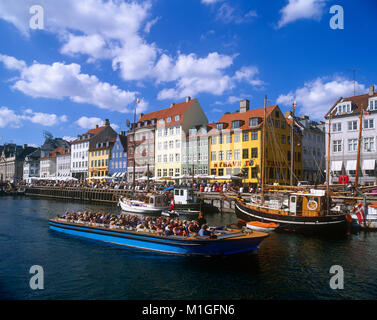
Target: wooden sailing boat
[{"x": 301, "y": 211}]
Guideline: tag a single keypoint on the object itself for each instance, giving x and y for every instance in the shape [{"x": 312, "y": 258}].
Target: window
[
  {"x": 177, "y": 171},
  {"x": 237, "y": 154},
  {"x": 254, "y": 152},
  {"x": 219, "y": 126},
  {"x": 337, "y": 146},
  {"x": 177, "y": 157},
  {"x": 165, "y": 158},
  {"x": 277, "y": 123},
  {"x": 177, "y": 143},
  {"x": 171, "y": 172},
  {"x": 254, "y": 135},
  {"x": 245, "y": 153},
  {"x": 368, "y": 123},
  {"x": 236, "y": 124},
  {"x": 165, "y": 145},
  {"x": 229, "y": 155},
  {"x": 283, "y": 124},
  {"x": 344, "y": 108},
  {"x": 352, "y": 145},
  {"x": 177, "y": 130},
  {"x": 171, "y": 130},
  {"x": 159, "y": 145},
  {"x": 253, "y": 122},
  {"x": 352, "y": 125},
  {"x": 229, "y": 138},
  {"x": 369, "y": 144},
  {"x": 213, "y": 156},
  {"x": 337, "y": 127},
  {"x": 245, "y": 136},
  {"x": 213, "y": 139},
  {"x": 221, "y": 155},
  {"x": 176, "y": 118},
  {"x": 171, "y": 157},
  {"x": 171, "y": 144},
  {"x": 165, "y": 172},
  {"x": 283, "y": 139},
  {"x": 237, "y": 137},
  {"x": 221, "y": 172},
  {"x": 221, "y": 139},
  {"x": 372, "y": 105},
  {"x": 168, "y": 119}
]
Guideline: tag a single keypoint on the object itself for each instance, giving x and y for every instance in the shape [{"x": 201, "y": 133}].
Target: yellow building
[
  {"x": 235, "y": 146},
  {"x": 99, "y": 156}
]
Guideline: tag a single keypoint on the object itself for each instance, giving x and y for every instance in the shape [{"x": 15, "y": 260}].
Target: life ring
[{"x": 312, "y": 205}]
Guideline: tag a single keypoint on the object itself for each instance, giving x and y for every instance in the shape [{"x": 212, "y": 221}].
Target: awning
[
  {"x": 351, "y": 165},
  {"x": 114, "y": 174},
  {"x": 336, "y": 165},
  {"x": 369, "y": 164},
  {"x": 122, "y": 175}
]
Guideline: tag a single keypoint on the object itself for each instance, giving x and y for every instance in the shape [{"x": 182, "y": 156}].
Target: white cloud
[
  {"x": 316, "y": 97},
  {"x": 9, "y": 118},
  {"x": 91, "y": 122},
  {"x": 301, "y": 9},
  {"x": 210, "y": 1},
  {"x": 150, "y": 23},
  {"x": 12, "y": 63},
  {"x": 229, "y": 14},
  {"x": 58, "y": 81}
]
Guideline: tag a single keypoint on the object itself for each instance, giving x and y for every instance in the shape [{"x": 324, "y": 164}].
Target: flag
[
  {"x": 172, "y": 204},
  {"x": 294, "y": 105},
  {"x": 359, "y": 213},
  {"x": 137, "y": 100}
]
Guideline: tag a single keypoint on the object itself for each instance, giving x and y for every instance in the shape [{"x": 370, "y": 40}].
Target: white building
[
  {"x": 63, "y": 164},
  {"x": 345, "y": 125},
  {"x": 173, "y": 126}
]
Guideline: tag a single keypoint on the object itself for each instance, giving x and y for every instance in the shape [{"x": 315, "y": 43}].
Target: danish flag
[{"x": 359, "y": 212}]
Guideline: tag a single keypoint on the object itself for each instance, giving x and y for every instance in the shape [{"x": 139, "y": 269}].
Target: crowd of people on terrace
[
  {"x": 159, "y": 225},
  {"x": 144, "y": 186}
]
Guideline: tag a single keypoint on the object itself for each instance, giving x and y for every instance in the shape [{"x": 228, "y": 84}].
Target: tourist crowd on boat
[{"x": 160, "y": 225}]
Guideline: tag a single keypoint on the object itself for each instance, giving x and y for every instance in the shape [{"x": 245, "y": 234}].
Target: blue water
[{"x": 287, "y": 266}]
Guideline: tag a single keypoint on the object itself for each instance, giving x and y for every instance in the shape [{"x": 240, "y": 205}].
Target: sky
[{"x": 65, "y": 66}]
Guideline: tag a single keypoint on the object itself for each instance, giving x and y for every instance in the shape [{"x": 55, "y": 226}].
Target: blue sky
[{"x": 93, "y": 58}]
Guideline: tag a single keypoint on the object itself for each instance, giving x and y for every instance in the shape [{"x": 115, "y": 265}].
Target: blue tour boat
[{"x": 225, "y": 242}]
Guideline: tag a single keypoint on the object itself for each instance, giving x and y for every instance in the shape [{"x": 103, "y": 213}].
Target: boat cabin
[
  {"x": 307, "y": 204},
  {"x": 184, "y": 195},
  {"x": 158, "y": 201}
]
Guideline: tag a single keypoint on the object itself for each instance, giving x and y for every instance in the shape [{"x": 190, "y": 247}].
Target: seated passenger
[{"x": 204, "y": 231}]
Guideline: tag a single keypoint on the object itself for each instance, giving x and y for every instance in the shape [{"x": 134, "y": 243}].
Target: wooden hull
[
  {"x": 331, "y": 224},
  {"x": 227, "y": 245}
]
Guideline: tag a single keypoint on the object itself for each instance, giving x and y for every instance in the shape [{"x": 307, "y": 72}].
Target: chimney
[
  {"x": 107, "y": 122},
  {"x": 244, "y": 105},
  {"x": 96, "y": 126},
  {"x": 371, "y": 90},
  {"x": 188, "y": 98},
  {"x": 172, "y": 104},
  {"x": 140, "y": 115}
]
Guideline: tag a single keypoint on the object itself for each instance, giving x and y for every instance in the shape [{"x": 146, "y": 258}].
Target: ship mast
[
  {"x": 293, "y": 145},
  {"x": 328, "y": 164},
  {"x": 263, "y": 146},
  {"x": 358, "y": 147}
]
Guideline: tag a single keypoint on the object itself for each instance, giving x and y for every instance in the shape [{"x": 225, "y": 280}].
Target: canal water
[{"x": 287, "y": 266}]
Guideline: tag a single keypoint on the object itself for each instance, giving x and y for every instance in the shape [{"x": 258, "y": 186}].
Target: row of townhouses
[{"x": 178, "y": 142}]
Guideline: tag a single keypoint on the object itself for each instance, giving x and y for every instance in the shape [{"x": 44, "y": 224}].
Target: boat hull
[
  {"x": 163, "y": 244},
  {"x": 141, "y": 209},
  {"x": 205, "y": 207},
  {"x": 331, "y": 224},
  {"x": 370, "y": 223}
]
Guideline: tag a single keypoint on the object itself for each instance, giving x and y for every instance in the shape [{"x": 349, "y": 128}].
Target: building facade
[
  {"x": 195, "y": 151},
  {"x": 313, "y": 149},
  {"x": 118, "y": 158},
  {"x": 99, "y": 157},
  {"x": 235, "y": 146},
  {"x": 344, "y": 137},
  {"x": 63, "y": 164},
  {"x": 12, "y": 161},
  {"x": 173, "y": 125}
]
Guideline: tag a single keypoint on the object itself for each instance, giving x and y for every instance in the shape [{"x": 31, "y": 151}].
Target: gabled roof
[
  {"x": 357, "y": 102},
  {"x": 123, "y": 140},
  {"x": 93, "y": 132},
  {"x": 53, "y": 154},
  {"x": 172, "y": 111},
  {"x": 228, "y": 118}
]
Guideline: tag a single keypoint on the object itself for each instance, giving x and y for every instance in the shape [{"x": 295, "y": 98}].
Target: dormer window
[
  {"x": 177, "y": 117},
  {"x": 220, "y": 126},
  {"x": 236, "y": 124},
  {"x": 372, "y": 104},
  {"x": 161, "y": 121},
  {"x": 145, "y": 123},
  {"x": 153, "y": 121},
  {"x": 253, "y": 122},
  {"x": 168, "y": 119},
  {"x": 343, "y": 108}
]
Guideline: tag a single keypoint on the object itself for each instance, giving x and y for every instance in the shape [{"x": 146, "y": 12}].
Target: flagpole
[
  {"x": 293, "y": 144},
  {"x": 358, "y": 148}
]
